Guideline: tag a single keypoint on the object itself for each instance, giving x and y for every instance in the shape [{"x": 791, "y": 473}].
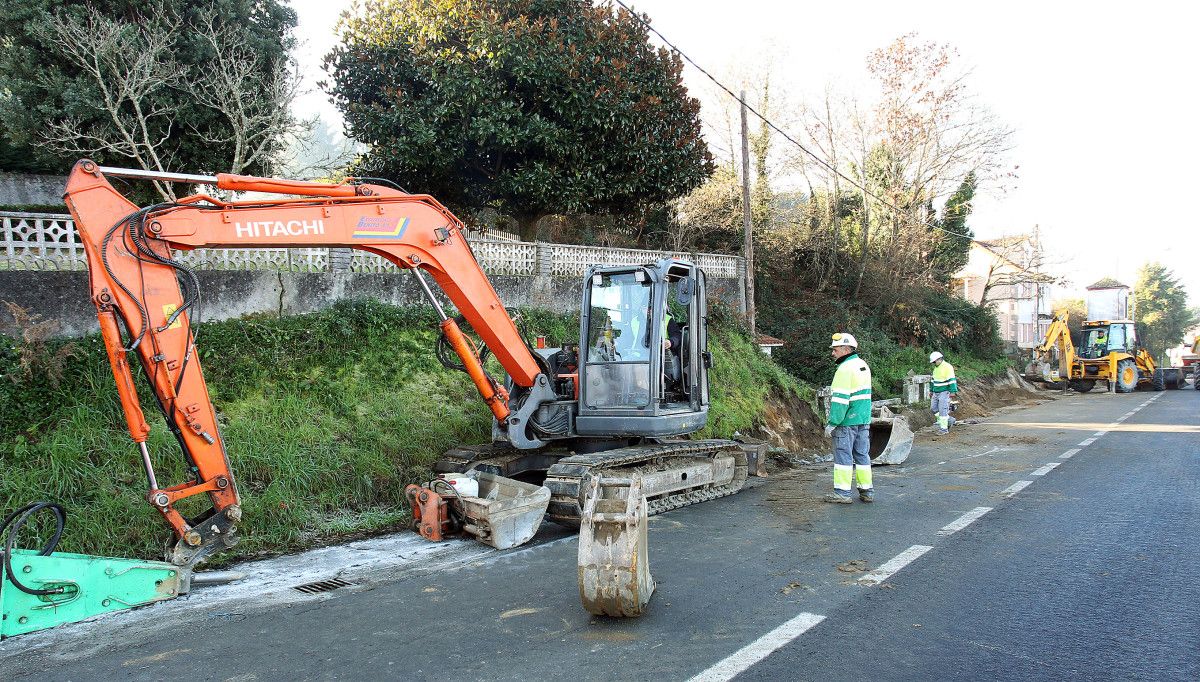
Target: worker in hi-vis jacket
[{"x": 850, "y": 422}]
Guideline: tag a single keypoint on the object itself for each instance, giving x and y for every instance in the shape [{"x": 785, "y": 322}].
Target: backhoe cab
[{"x": 1104, "y": 337}]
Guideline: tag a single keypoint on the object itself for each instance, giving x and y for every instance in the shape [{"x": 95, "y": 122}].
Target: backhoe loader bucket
[
  {"x": 614, "y": 568},
  {"x": 891, "y": 437}
]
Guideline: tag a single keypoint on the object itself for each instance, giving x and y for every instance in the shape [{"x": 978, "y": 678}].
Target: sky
[{"x": 1105, "y": 125}]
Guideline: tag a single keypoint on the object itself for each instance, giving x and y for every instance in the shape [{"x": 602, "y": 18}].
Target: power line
[{"x": 777, "y": 129}]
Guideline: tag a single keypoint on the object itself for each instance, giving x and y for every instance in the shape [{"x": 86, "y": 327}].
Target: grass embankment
[
  {"x": 964, "y": 333},
  {"x": 326, "y": 418},
  {"x": 741, "y": 379}
]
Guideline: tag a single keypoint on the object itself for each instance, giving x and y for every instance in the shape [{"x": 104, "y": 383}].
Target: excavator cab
[{"x": 644, "y": 351}]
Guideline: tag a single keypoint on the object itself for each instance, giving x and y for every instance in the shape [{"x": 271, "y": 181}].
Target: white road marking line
[
  {"x": 759, "y": 649},
  {"x": 1069, "y": 453},
  {"x": 1098, "y": 434},
  {"x": 963, "y": 521},
  {"x": 894, "y": 564},
  {"x": 940, "y": 463},
  {"x": 1042, "y": 471},
  {"x": 983, "y": 454},
  {"x": 1086, "y": 442},
  {"x": 1015, "y": 488}
]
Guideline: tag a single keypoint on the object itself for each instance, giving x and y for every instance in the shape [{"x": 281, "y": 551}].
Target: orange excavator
[{"x": 612, "y": 405}]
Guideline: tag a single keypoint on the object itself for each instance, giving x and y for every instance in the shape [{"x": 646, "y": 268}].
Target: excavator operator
[
  {"x": 631, "y": 329},
  {"x": 634, "y": 341}
]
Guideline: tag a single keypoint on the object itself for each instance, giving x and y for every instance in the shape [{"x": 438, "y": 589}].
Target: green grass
[
  {"x": 326, "y": 418},
  {"x": 740, "y": 382}
]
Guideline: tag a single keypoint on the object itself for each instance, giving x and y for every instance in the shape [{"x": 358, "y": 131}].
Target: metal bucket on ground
[
  {"x": 506, "y": 513},
  {"x": 891, "y": 437},
  {"x": 614, "y": 566}
]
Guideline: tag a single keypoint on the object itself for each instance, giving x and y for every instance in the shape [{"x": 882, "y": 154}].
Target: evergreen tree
[
  {"x": 531, "y": 107},
  {"x": 104, "y": 68},
  {"x": 953, "y": 245},
  {"x": 1161, "y": 310}
]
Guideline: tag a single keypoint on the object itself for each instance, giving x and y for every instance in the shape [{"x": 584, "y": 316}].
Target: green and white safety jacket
[
  {"x": 943, "y": 378},
  {"x": 850, "y": 399}
]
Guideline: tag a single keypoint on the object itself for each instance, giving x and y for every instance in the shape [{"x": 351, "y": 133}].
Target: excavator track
[
  {"x": 655, "y": 465},
  {"x": 718, "y": 467}
]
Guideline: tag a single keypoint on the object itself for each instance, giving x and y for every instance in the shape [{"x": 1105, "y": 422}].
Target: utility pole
[{"x": 749, "y": 228}]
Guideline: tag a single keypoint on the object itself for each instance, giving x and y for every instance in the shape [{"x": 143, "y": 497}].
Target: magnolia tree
[{"x": 529, "y": 107}]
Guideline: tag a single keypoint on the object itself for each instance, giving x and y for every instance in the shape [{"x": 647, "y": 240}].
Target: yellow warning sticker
[{"x": 168, "y": 310}]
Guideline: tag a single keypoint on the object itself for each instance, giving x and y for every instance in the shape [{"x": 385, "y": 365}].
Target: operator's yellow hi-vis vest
[
  {"x": 943, "y": 378},
  {"x": 850, "y": 398},
  {"x": 635, "y": 326}
]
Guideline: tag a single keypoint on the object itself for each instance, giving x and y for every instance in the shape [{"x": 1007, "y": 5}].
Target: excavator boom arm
[{"x": 136, "y": 284}]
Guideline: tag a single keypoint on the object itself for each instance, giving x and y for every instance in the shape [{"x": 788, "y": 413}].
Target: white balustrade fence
[{"x": 43, "y": 241}]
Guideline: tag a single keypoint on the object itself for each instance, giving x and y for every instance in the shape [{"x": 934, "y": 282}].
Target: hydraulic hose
[{"x": 18, "y": 519}]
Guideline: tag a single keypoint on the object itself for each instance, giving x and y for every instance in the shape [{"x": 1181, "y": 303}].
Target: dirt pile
[
  {"x": 789, "y": 423},
  {"x": 980, "y": 398}
]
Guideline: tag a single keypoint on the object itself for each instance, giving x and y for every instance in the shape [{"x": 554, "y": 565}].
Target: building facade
[{"x": 1007, "y": 275}]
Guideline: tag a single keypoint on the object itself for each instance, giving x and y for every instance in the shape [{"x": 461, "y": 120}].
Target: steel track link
[{"x": 565, "y": 478}]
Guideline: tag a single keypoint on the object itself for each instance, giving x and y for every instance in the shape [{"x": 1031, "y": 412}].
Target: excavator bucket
[
  {"x": 506, "y": 513},
  {"x": 498, "y": 511},
  {"x": 891, "y": 437},
  {"x": 614, "y": 568}
]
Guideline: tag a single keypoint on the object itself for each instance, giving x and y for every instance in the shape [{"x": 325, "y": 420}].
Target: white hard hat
[
  {"x": 843, "y": 339},
  {"x": 934, "y": 357}
]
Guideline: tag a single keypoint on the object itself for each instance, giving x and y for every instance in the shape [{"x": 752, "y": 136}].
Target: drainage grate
[{"x": 322, "y": 586}]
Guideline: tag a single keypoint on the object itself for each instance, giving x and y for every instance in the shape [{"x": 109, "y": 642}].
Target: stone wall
[{"x": 26, "y": 189}]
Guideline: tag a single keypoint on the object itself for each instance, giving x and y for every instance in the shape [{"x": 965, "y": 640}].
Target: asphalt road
[
  {"x": 1089, "y": 574},
  {"x": 978, "y": 561}
]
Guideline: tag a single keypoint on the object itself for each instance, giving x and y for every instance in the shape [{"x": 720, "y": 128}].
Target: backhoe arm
[
  {"x": 137, "y": 285},
  {"x": 1058, "y": 335}
]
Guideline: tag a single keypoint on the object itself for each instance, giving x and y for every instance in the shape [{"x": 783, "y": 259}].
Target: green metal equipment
[{"x": 40, "y": 589}]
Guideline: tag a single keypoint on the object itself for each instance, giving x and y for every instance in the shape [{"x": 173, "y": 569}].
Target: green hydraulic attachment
[
  {"x": 43, "y": 589},
  {"x": 86, "y": 586}
]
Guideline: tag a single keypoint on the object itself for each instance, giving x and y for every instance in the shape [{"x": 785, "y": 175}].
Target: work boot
[
  {"x": 943, "y": 432},
  {"x": 866, "y": 495},
  {"x": 835, "y": 498}
]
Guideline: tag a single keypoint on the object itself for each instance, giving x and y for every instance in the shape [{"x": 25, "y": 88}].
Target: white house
[{"x": 1006, "y": 274}]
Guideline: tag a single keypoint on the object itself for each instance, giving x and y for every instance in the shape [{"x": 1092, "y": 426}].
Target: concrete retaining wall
[{"x": 64, "y": 296}]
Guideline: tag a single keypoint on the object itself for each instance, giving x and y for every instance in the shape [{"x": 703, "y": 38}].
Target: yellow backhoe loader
[{"x": 1108, "y": 353}]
